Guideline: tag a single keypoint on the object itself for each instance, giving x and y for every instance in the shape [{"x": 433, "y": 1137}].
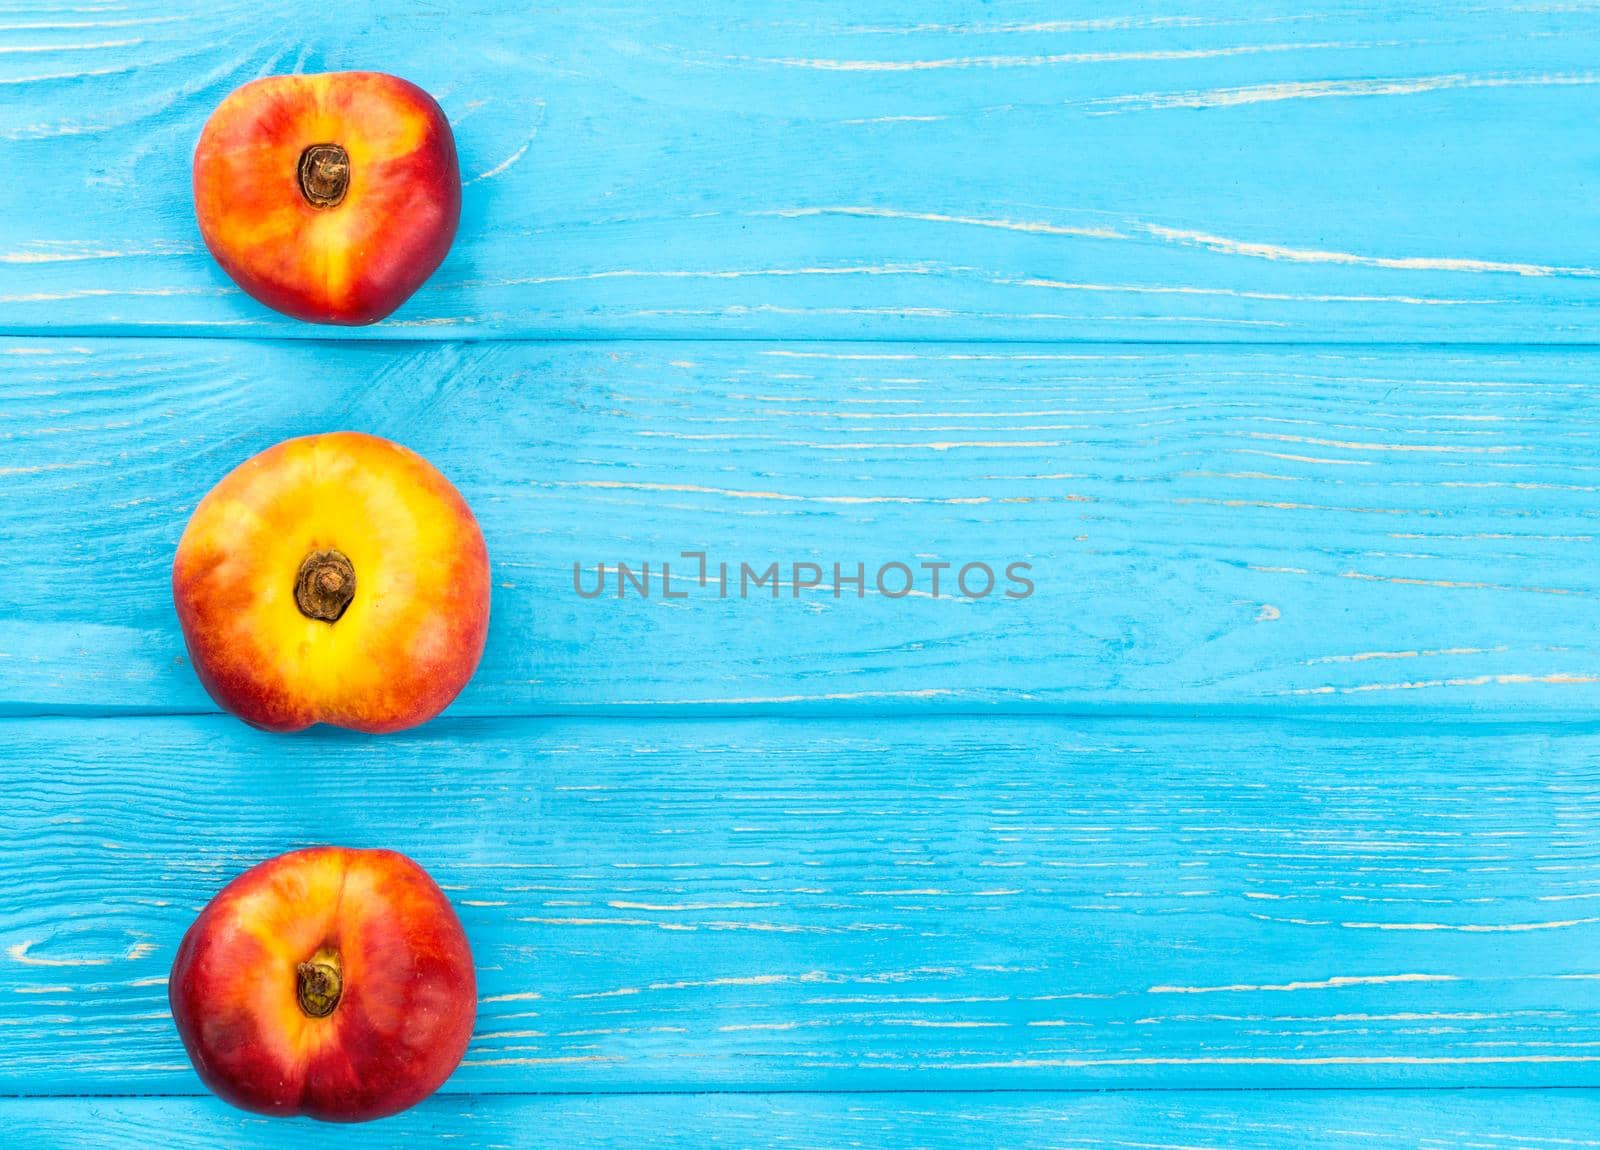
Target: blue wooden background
[{"x": 1263, "y": 332}]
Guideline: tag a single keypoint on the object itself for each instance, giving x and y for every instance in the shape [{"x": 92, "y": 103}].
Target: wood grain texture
[
  {"x": 844, "y": 905},
  {"x": 1342, "y": 1120},
  {"x": 1280, "y": 171},
  {"x": 1207, "y": 527},
  {"x": 1372, "y": 867}
]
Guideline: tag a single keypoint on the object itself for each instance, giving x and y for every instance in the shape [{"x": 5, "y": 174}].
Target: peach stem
[
  {"x": 324, "y": 175},
  {"x": 319, "y": 983},
  {"x": 325, "y": 585}
]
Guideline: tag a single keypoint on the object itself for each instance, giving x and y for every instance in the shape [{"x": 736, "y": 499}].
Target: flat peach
[
  {"x": 330, "y": 198},
  {"x": 329, "y": 982},
  {"x": 333, "y": 579}
]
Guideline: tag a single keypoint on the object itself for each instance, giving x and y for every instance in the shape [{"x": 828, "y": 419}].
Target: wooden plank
[
  {"x": 1278, "y": 171},
  {"x": 830, "y": 904},
  {"x": 1212, "y": 527},
  {"x": 1342, "y": 1120}
]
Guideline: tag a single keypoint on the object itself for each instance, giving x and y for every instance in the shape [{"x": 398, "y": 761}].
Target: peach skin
[
  {"x": 331, "y": 197},
  {"x": 328, "y": 982},
  {"x": 335, "y": 579}
]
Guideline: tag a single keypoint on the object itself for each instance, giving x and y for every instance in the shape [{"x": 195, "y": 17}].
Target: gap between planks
[
  {"x": 1439, "y": 718},
  {"x": 910, "y": 1091},
  {"x": 215, "y": 333}
]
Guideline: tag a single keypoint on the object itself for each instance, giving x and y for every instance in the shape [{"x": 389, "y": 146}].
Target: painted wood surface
[
  {"x": 1285, "y": 171},
  {"x": 978, "y": 903},
  {"x": 1285, "y": 776},
  {"x": 1230, "y": 528},
  {"x": 1343, "y": 1120}
]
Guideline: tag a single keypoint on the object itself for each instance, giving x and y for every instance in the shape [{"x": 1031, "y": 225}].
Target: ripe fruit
[
  {"x": 337, "y": 579},
  {"x": 331, "y": 197},
  {"x": 330, "y": 982}
]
